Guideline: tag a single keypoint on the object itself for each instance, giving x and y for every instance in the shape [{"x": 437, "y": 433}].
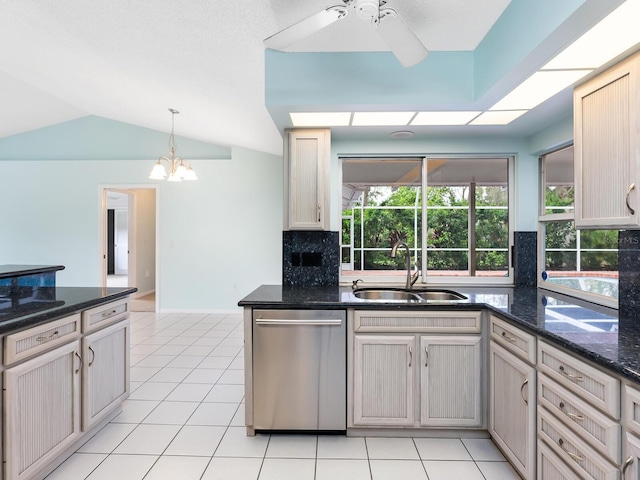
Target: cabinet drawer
[
  {"x": 595, "y": 386},
  {"x": 551, "y": 467},
  {"x": 513, "y": 339},
  {"x": 595, "y": 427},
  {"x": 444, "y": 322},
  {"x": 33, "y": 341},
  {"x": 105, "y": 314},
  {"x": 631, "y": 409},
  {"x": 573, "y": 450}
]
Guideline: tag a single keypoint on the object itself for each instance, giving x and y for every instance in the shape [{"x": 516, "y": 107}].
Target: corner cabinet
[
  {"x": 607, "y": 148},
  {"x": 307, "y": 157}
]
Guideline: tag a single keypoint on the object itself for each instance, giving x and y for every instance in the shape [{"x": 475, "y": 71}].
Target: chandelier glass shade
[{"x": 179, "y": 169}]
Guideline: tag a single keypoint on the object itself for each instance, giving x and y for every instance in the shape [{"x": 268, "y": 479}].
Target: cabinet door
[
  {"x": 631, "y": 466},
  {"x": 450, "y": 381},
  {"x": 307, "y": 155},
  {"x": 383, "y": 380},
  {"x": 42, "y": 415},
  {"x": 606, "y": 148},
  {"x": 512, "y": 409},
  {"x": 105, "y": 372}
]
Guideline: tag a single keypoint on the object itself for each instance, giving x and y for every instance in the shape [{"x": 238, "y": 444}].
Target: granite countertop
[
  {"x": 10, "y": 271},
  {"x": 35, "y": 305},
  {"x": 589, "y": 330}
]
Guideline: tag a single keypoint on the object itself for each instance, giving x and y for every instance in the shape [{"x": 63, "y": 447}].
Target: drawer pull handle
[
  {"x": 627, "y": 463},
  {"x": 510, "y": 339},
  {"x": 319, "y": 211},
  {"x": 426, "y": 357},
  {"x": 522, "y": 388},
  {"x": 93, "y": 357},
  {"x": 79, "y": 358},
  {"x": 48, "y": 337},
  {"x": 631, "y": 187},
  {"x": 410, "y": 356},
  {"x": 108, "y": 314},
  {"x": 572, "y": 416},
  {"x": 570, "y": 376},
  {"x": 574, "y": 456}
]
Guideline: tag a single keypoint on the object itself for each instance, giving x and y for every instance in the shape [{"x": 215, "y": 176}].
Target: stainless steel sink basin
[
  {"x": 397, "y": 295},
  {"x": 439, "y": 295},
  {"x": 386, "y": 295}
]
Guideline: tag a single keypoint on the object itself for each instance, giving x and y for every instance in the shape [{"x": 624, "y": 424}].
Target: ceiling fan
[{"x": 404, "y": 44}]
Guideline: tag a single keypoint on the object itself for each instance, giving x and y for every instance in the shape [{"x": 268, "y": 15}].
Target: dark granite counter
[
  {"x": 35, "y": 305},
  {"x": 11, "y": 271},
  {"x": 590, "y": 331}
]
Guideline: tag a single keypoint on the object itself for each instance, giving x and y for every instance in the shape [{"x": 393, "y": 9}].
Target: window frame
[
  {"x": 424, "y": 279},
  {"x": 543, "y": 220}
]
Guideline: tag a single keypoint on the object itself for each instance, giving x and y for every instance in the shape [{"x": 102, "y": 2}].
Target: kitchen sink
[
  {"x": 382, "y": 294},
  {"x": 439, "y": 295},
  {"x": 399, "y": 295}
]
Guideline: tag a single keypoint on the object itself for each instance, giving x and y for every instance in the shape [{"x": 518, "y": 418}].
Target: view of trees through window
[
  {"x": 585, "y": 260},
  {"x": 467, "y": 218}
]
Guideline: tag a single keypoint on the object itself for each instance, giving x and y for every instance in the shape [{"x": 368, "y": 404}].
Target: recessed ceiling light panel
[
  {"x": 497, "y": 117},
  {"x": 320, "y": 119},
  {"x": 537, "y": 88},
  {"x": 444, "y": 118},
  {"x": 374, "y": 119}
]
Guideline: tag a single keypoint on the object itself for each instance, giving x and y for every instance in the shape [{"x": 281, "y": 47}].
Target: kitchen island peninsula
[
  {"x": 554, "y": 381},
  {"x": 65, "y": 366}
]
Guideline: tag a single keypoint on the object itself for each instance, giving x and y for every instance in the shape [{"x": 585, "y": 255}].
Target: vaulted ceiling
[{"x": 131, "y": 60}]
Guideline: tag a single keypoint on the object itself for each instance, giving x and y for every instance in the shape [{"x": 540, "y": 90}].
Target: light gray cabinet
[
  {"x": 307, "y": 156},
  {"x": 512, "y": 416},
  {"x": 416, "y": 369},
  {"x": 42, "y": 405},
  {"x": 105, "y": 372},
  {"x": 450, "y": 381},
  {"x": 607, "y": 148},
  {"x": 383, "y": 384}
]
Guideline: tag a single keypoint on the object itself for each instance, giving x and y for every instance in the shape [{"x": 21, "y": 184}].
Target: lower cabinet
[
  {"x": 450, "y": 381},
  {"x": 631, "y": 465},
  {"x": 105, "y": 371},
  {"x": 383, "y": 380},
  {"x": 387, "y": 386},
  {"x": 512, "y": 408},
  {"x": 43, "y": 396}
]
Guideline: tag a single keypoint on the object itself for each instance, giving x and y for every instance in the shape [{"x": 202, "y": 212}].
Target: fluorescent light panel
[
  {"x": 320, "y": 119},
  {"x": 613, "y": 35},
  {"x": 497, "y": 117},
  {"x": 537, "y": 88},
  {"x": 444, "y": 118},
  {"x": 374, "y": 119}
]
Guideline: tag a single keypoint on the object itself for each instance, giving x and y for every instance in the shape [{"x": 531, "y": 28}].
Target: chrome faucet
[{"x": 411, "y": 278}]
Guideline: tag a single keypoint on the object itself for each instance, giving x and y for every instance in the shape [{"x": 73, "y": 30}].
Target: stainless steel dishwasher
[{"x": 299, "y": 370}]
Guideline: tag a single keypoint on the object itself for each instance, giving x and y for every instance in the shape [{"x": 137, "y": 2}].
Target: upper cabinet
[
  {"x": 307, "y": 154},
  {"x": 607, "y": 148}
]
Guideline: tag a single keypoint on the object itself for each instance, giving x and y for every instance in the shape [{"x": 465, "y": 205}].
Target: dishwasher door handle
[{"x": 328, "y": 322}]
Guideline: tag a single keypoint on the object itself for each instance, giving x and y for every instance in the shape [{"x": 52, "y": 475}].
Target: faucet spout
[{"x": 411, "y": 279}]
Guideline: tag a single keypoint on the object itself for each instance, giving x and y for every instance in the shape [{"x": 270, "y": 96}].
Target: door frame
[{"x": 102, "y": 232}]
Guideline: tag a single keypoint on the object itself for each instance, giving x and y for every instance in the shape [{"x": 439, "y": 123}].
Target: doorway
[{"x": 129, "y": 242}]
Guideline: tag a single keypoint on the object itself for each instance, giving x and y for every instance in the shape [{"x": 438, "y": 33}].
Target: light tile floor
[{"x": 184, "y": 420}]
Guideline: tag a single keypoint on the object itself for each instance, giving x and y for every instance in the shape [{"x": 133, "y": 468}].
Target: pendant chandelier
[{"x": 179, "y": 169}]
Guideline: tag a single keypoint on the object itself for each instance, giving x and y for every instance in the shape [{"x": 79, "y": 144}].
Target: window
[
  {"x": 577, "y": 262},
  {"x": 462, "y": 202}
]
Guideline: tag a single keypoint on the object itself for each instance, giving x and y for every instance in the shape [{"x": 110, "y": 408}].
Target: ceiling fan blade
[
  {"x": 305, "y": 27},
  {"x": 404, "y": 44}
]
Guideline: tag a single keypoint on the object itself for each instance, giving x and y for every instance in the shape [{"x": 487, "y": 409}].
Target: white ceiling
[{"x": 131, "y": 60}]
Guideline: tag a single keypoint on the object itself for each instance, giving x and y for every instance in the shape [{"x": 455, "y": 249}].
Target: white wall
[
  {"x": 219, "y": 237},
  {"x": 145, "y": 238}
]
